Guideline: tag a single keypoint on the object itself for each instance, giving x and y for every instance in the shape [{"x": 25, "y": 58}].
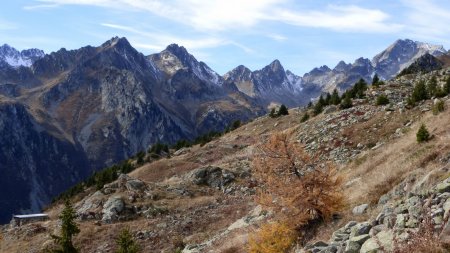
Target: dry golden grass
[
  {"x": 275, "y": 237},
  {"x": 377, "y": 171}
]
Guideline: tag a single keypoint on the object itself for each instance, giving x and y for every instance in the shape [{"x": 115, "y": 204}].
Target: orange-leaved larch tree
[{"x": 296, "y": 187}]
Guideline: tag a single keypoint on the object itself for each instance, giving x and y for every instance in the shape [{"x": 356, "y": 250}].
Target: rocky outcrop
[
  {"x": 392, "y": 226},
  {"x": 211, "y": 176}
]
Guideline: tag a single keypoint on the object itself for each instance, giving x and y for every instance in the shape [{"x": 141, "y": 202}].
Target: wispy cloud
[
  {"x": 427, "y": 20},
  {"x": 40, "y": 6},
  {"x": 219, "y": 15},
  {"x": 340, "y": 18},
  {"x": 277, "y": 37},
  {"x": 160, "y": 40}
]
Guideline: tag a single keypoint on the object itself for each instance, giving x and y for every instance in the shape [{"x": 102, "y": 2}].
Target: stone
[
  {"x": 360, "y": 239},
  {"x": 112, "y": 208},
  {"x": 400, "y": 221},
  {"x": 414, "y": 200},
  {"x": 445, "y": 234},
  {"x": 360, "y": 229},
  {"x": 377, "y": 229},
  {"x": 415, "y": 210},
  {"x": 412, "y": 223},
  {"x": 389, "y": 220},
  {"x": 330, "y": 109},
  {"x": 403, "y": 208},
  {"x": 446, "y": 205},
  {"x": 437, "y": 220},
  {"x": 384, "y": 240},
  {"x": 352, "y": 247},
  {"x": 181, "y": 151},
  {"x": 339, "y": 236},
  {"x": 443, "y": 187},
  {"x": 361, "y": 209},
  {"x": 350, "y": 224},
  {"x": 212, "y": 176}
]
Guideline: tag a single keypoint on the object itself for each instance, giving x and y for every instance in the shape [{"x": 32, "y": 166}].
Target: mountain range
[{"x": 66, "y": 114}]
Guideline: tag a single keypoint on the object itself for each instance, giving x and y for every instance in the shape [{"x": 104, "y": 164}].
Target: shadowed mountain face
[{"x": 73, "y": 112}]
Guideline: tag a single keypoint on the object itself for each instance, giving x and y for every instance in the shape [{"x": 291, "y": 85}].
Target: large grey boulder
[
  {"x": 212, "y": 176},
  {"x": 90, "y": 207},
  {"x": 112, "y": 208},
  {"x": 360, "y": 229},
  {"x": 361, "y": 209},
  {"x": 383, "y": 240},
  {"x": 355, "y": 243},
  {"x": 443, "y": 187}
]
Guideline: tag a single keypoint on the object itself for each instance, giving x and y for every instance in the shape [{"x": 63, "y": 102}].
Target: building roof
[{"x": 35, "y": 215}]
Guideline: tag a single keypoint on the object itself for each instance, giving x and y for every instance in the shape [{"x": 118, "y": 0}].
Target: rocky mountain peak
[
  {"x": 362, "y": 62},
  {"x": 16, "y": 58},
  {"x": 177, "y": 50},
  {"x": 119, "y": 44},
  {"x": 274, "y": 67},
  {"x": 401, "y": 54},
  {"x": 342, "y": 66},
  {"x": 239, "y": 73}
]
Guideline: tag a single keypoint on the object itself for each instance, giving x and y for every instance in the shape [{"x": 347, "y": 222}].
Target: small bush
[
  {"x": 438, "y": 107},
  {"x": 346, "y": 102},
  {"x": 272, "y": 238},
  {"x": 422, "y": 134},
  {"x": 126, "y": 242},
  {"x": 304, "y": 118},
  {"x": 426, "y": 239},
  {"x": 283, "y": 110},
  {"x": 382, "y": 100}
]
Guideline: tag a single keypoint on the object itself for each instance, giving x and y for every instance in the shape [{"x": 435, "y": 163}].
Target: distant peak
[
  {"x": 6, "y": 46},
  {"x": 117, "y": 41},
  {"x": 324, "y": 68},
  {"x": 176, "y": 49},
  {"x": 241, "y": 68},
  {"x": 276, "y": 63},
  {"x": 275, "y": 66},
  {"x": 342, "y": 66}
]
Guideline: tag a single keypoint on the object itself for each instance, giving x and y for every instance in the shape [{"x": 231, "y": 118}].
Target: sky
[{"x": 302, "y": 34}]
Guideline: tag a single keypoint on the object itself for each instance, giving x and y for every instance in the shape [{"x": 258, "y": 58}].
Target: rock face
[
  {"x": 270, "y": 84},
  {"x": 401, "y": 54},
  {"x": 32, "y": 158},
  {"x": 423, "y": 64},
  {"x": 398, "y": 218},
  {"x": 97, "y": 106},
  {"x": 14, "y": 58}
]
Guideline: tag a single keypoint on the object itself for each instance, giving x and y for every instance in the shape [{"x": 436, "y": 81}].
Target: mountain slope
[
  {"x": 106, "y": 103},
  {"x": 204, "y": 196}
]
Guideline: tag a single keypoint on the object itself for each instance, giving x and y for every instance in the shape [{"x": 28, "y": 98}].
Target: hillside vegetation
[{"x": 350, "y": 177}]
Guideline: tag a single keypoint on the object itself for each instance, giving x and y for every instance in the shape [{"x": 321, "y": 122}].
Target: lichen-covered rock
[
  {"x": 112, "y": 208},
  {"x": 361, "y": 209},
  {"x": 360, "y": 229},
  {"x": 212, "y": 176},
  {"x": 383, "y": 240},
  {"x": 355, "y": 243}
]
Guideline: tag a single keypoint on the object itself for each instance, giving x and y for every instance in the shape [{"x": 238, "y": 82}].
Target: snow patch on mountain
[{"x": 14, "y": 58}]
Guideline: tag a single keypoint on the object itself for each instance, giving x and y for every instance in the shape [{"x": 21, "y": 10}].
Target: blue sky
[{"x": 225, "y": 33}]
